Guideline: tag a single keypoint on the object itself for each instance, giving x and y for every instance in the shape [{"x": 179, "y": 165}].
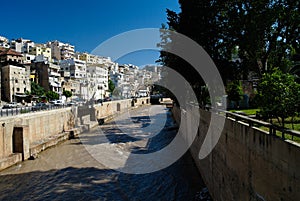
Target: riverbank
[
  {"x": 69, "y": 172},
  {"x": 24, "y": 136}
]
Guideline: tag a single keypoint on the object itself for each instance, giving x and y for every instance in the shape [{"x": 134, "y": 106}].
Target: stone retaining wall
[
  {"x": 247, "y": 163},
  {"x": 33, "y": 132}
]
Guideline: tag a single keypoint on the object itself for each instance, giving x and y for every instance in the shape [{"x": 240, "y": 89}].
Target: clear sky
[{"x": 84, "y": 24}]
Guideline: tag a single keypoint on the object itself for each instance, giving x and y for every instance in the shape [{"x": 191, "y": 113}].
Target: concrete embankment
[
  {"x": 25, "y": 135},
  {"x": 247, "y": 163},
  {"x": 73, "y": 171}
]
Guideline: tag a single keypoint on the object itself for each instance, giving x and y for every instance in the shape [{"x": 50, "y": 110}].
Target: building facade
[
  {"x": 14, "y": 82},
  {"x": 73, "y": 68},
  {"x": 61, "y": 51},
  {"x": 97, "y": 79}
]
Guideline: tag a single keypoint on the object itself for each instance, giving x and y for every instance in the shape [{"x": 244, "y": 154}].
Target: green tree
[
  {"x": 67, "y": 93},
  {"x": 37, "y": 90},
  {"x": 52, "y": 95},
  {"x": 265, "y": 31},
  {"x": 111, "y": 86},
  {"x": 294, "y": 69},
  {"x": 235, "y": 92},
  {"x": 278, "y": 96}
]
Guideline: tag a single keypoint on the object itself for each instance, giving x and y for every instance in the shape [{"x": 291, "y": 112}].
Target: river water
[{"x": 70, "y": 171}]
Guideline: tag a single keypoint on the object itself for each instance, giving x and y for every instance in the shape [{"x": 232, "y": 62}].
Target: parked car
[
  {"x": 39, "y": 106},
  {"x": 107, "y": 99},
  {"x": 57, "y": 102},
  {"x": 11, "y": 105},
  {"x": 72, "y": 103},
  {"x": 99, "y": 101}
]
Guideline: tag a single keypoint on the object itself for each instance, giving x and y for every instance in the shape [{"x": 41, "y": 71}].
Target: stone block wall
[
  {"x": 37, "y": 127},
  {"x": 247, "y": 163}
]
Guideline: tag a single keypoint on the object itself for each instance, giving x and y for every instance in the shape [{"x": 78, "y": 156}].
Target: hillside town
[{"x": 57, "y": 66}]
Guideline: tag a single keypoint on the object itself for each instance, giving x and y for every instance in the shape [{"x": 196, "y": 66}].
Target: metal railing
[
  {"x": 27, "y": 109},
  {"x": 272, "y": 129}
]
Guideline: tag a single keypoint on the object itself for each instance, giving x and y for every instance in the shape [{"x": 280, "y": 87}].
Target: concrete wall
[
  {"x": 247, "y": 163},
  {"x": 114, "y": 107},
  {"x": 39, "y": 127}
]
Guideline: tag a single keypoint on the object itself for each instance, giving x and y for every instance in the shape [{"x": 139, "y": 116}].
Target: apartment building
[
  {"x": 40, "y": 49},
  {"x": 73, "y": 68},
  {"x": 14, "y": 81},
  {"x": 4, "y": 42},
  {"x": 46, "y": 75},
  {"x": 61, "y": 51},
  {"x": 77, "y": 88},
  {"x": 10, "y": 56},
  {"x": 97, "y": 79},
  {"x": 21, "y": 45},
  {"x": 89, "y": 58}
]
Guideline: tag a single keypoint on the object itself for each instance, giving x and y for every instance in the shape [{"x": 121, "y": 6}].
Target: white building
[
  {"x": 22, "y": 45},
  {"x": 28, "y": 58},
  {"x": 4, "y": 42},
  {"x": 97, "y": 79},
  {"x": 73, "y": 68}
]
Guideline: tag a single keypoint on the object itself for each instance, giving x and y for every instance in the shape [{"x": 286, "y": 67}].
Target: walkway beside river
[{"x": 69, "y": 172}]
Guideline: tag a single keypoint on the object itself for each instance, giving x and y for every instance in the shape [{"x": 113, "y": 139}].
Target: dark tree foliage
[
  {"x": 37, "y": 90},
  {"x": 235, "y": 92},
  {"x": 52, "y": 95},
  {"x": 111, "y": 86},
  {"x": 266, "y": 33},
  {"x": 67, "y": 93}
]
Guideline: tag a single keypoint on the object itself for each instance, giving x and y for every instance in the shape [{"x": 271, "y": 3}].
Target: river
[{"x": 70, "y": 171}]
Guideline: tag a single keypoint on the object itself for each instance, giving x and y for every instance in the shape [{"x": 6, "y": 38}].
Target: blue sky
[{"x": 84, "y": 24}]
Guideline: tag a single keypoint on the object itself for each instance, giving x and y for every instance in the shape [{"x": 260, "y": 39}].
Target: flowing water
[{"x": 69, "y": 172}]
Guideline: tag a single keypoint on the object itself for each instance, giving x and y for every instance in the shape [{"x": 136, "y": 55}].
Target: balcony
[
  {"x": 54, "y": 74},
  {"x": 66, "y": 74}
]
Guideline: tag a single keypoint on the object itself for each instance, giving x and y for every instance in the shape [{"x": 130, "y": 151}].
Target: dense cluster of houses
[{"x": 56, "y": 66}]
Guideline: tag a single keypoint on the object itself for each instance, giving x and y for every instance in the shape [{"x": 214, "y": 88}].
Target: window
[
  {"x": 18, "y": 89},
  {"x": 28, "y": 58},
  {"x": 16, "y": 80},
  {"x": 24, "y": 82}
]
